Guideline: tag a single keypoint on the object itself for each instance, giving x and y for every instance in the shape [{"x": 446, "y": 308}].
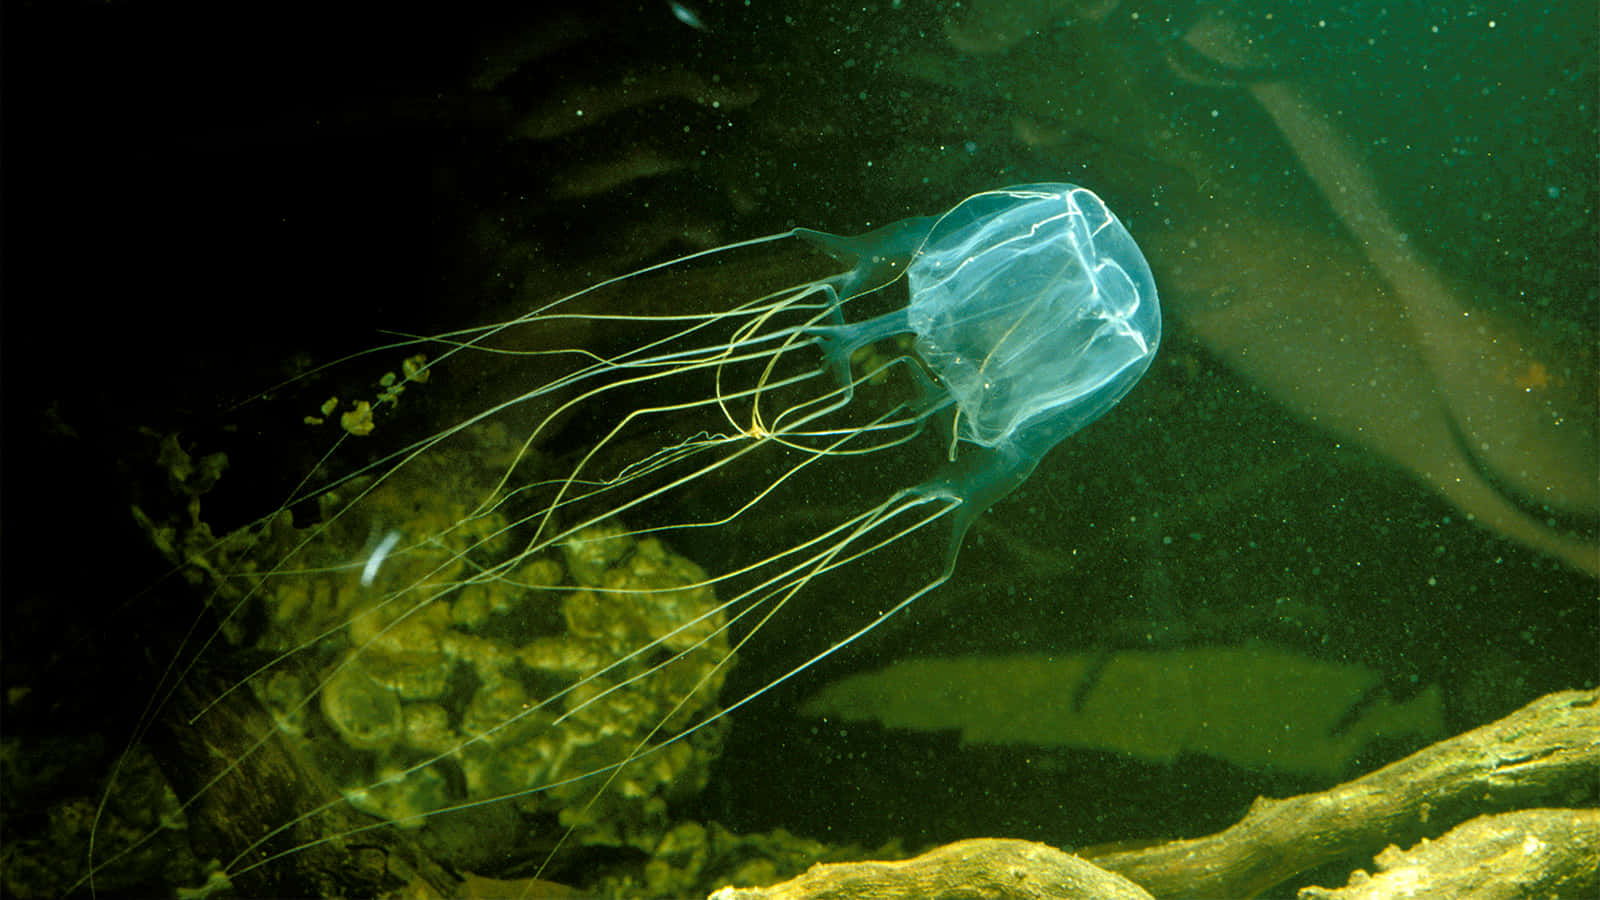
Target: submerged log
[
  {"x": 1546, "y": 752},
  {"x": 1528, "y": 853},
  {"x": 251, "y": 793},
  {"x": 978, "y": 869}
]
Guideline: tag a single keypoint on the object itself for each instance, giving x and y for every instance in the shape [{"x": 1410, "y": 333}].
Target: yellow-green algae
[{"x": 455, "y": 668}]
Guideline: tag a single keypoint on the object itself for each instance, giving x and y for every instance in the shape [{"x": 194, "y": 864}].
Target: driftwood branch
[
  {"x": 982, "y": 869},
  {"x": 341, "y": 852},
  {"x": 1549, "y": 751},
  {"x": 1528, "y": 853}
]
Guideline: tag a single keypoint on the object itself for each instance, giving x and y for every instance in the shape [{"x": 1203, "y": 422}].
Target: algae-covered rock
[
  {"x": 364, "y": 712},
  {"x": 430, "y": 656},
  {"x": 1254, "y": 706}
]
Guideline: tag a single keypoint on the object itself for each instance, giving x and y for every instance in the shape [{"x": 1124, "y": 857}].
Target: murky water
[{"x": 421, "y": 640}]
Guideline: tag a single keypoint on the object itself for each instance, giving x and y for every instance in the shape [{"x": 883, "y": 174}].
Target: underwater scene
[{"x": 648, "y": 449}]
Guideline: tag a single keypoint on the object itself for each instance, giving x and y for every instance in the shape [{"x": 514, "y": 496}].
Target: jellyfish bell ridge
[
  {"x": 1033, "y": 310},
  {"x": 1037, "y": 311}
]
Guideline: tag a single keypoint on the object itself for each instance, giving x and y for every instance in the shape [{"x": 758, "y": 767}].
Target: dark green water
[{"x": 199, "y": 202}]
